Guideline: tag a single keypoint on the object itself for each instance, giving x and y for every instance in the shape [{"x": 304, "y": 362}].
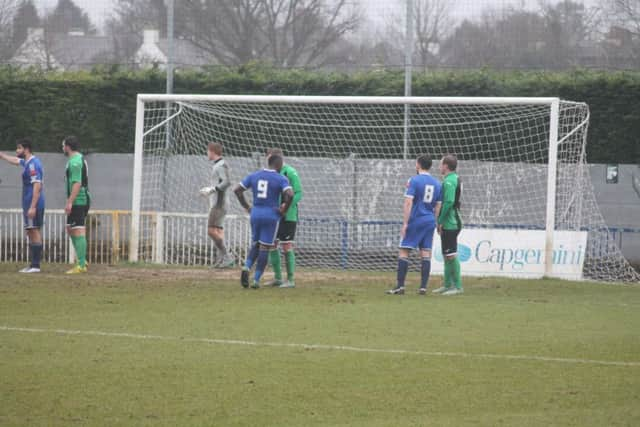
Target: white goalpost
[{"x": 528, "y": 203}]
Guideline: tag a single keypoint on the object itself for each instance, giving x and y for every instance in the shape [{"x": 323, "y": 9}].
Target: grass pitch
[{"x": 188, "y": 347}]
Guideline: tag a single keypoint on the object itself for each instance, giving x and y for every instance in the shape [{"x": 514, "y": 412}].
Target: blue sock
[
  {"x": 426, "y": 269},
  {"x": 251, "y": 258},
  {"x": 403, "y": 267},
  {"x": 36, "y": 254},
  {"x": 263, "y": 257}
]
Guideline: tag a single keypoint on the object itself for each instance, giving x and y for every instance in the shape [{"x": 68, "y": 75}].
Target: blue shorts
[
  {"x": 36, "y": 222},
  {"x": 418, "y": 236},
  {"x": 264, "y": 230}
]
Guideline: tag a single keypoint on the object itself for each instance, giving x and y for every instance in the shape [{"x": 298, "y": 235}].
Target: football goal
[{"x": 528, "y": 204}]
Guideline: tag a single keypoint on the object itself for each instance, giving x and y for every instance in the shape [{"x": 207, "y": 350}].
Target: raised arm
[{"x": 10, "y": 159}]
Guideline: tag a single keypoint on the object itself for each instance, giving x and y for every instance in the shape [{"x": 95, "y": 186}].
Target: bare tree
[
  {"x": 623, "y": 34},
  {"x": 625, "y": 13},
  {"x": 129, "y": 19},
  {"x": 8, "y": 9},
  {"x": 432, "y": 23},
  {"x": 284, "y": 32}
]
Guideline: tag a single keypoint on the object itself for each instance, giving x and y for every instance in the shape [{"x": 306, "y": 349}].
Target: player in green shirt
[
  {"x": 287, "y": 229},
  {"x": 449, "y": 226},
  {"x": 78, "y": 201}
]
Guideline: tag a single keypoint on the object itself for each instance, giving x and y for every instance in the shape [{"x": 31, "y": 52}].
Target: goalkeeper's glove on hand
[{"x": 206, "y": 191}]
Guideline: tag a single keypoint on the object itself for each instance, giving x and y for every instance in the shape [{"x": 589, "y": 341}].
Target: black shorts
[
  {"x": 287, "y": 231},
  {"x": 78, "y": 217},
  {"x": 449, "y": 240}
]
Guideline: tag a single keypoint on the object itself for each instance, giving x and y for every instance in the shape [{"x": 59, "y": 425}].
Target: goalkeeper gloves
[{"x": 207, "y": 191}]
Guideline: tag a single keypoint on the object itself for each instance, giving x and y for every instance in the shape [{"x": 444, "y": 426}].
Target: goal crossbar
[{"x": 390, "y": 100}]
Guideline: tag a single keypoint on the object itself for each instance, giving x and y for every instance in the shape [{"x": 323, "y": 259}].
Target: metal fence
[
  {"x": 173, "y": 238},
  {"x": 181, "y": 238}
]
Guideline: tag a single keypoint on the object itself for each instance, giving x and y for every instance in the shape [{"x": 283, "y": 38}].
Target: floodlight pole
[
  {"x": 170, "y": 62},
  {"x": 170, "y": 53},
  {"x": 408, "y": 69}
]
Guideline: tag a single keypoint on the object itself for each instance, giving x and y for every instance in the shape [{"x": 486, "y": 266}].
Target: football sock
[
  {"x": 447, "y": 273},
  {"x": 80, "y": 245},
  {"x": 403, "y": 267},
  {"x": 455, "y": 268},
  {"x": 263, "y": 257},
  {"x": 276, "y": 263},
  {"x": 251, "y": 258},
  {"x": 36, "y": 254},
  {"x": 291, "y": 264},
  {"x": 424, "y": 272}
]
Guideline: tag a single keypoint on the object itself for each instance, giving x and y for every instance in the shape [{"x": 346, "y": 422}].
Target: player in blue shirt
[
  {"x": 32, "y": 199},
  {"x": 422, "y": 201},
  {"x": 267, "y": 187}
]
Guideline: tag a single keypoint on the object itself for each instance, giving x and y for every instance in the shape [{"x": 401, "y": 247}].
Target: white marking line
[{"x": 528, "y": 358}]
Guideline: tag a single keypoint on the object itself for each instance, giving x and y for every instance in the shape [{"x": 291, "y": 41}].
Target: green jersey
[
  {"x": 450, "y": 212},
  {"x": 294, "y": 180},
  {"x": 77, "y": 171}
]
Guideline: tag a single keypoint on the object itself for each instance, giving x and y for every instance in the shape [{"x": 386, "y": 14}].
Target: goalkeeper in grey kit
[{"x": 221, "y": 181}]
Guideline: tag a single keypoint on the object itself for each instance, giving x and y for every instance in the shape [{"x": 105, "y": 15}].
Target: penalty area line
[{"x": 526, "y": 358}]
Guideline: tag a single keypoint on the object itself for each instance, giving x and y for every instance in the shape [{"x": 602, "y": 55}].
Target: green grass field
[{"x": 188, "y": 347}]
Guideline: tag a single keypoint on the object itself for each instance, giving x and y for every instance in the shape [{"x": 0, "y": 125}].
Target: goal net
[{"x": 528, "y": 204}]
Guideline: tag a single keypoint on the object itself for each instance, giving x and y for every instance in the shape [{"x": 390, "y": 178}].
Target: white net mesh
[{"x": 350, "y": 160}]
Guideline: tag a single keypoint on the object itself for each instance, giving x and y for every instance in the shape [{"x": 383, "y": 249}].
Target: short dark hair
[
  {"x": 451, "y": 161},
  {"x": 425, "y": 162},
  {"x": 25, "y": 143},
  {"x": 275, "y": 161},
  {"x": 72, "y": 142},
  {"x": 215, "y": 147},
  {"x": 274, "y": 151}
]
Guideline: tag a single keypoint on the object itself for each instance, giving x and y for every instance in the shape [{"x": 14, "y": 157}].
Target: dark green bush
[{"x": 99, "y": 106}]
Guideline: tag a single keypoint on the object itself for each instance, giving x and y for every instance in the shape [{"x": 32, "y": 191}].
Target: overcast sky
[{"x": 100, "y": 9}]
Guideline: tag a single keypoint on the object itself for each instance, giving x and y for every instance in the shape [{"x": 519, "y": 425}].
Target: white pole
[
  {"x": 551, "y": 188},
  {"x": 408, "y": 59},
  {"x": 134, "y": 238},
  {"x": 158, "y": 257}
]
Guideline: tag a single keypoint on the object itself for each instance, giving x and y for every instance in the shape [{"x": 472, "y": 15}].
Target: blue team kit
[
  {"x": 32, "y": 173},
  {"x": 266, "y": 186},
  {"x": 426, "y": 192}
]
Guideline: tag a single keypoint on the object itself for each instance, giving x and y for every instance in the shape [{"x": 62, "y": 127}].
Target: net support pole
[
  {"x": 408, "y": 72},
  {"x": 552, "y": 170},
  {"x": 134, "y": 238}
]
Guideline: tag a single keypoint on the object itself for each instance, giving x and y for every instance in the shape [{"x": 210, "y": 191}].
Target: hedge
[{"x": 99, "y": 106}]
